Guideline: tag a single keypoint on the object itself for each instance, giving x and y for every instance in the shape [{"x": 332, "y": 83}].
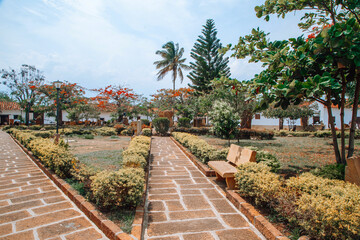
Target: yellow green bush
[
  {"x": 83, "y": 174},
  {"x": 106, "y": 131},
  {"x": 323, "y": 208},
  {"x": 256, "y": 181},
  {"x": 122, "y": 188},
  {"x": 147, "y": 132},
  {"x": 200, "y": 148},
  {"x": 137, "y": 153}
]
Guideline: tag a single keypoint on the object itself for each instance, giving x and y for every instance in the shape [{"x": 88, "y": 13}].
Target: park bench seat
[
  {"x": 352, "y": 170},
  {"x": 227, "y": 169}
]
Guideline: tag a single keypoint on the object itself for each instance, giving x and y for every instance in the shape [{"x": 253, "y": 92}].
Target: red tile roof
[{"x": 9, "y": 106}]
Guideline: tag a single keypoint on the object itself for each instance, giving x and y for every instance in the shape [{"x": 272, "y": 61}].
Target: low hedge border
[
  {"x": 201, "y": 166},
  {"x": 260, "y": 222},
  {"x": 109, "y": 228}
]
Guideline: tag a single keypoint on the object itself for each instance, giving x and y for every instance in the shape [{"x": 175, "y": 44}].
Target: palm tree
[{"x": 172, "y": 61}]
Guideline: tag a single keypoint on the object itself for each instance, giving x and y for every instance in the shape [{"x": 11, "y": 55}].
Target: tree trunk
[
  {"x": 353, "y": 118},
  {"x": 333, "y": 131},
  {"x": 304, "y": 122},
  {"x": 342, "y": 106},
  {"x": 281, "y": 123}
]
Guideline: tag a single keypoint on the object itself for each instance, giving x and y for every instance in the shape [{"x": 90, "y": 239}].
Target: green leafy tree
[
  {"x": 5, "y": 97},
  {"x": 317, "y": 68},
  {"x": 292, "y": 112},
  {"x": 208, "y": 62},
  {"x": 23, "y": 84},
  {"x": 172, "y": 61},
  {"x": 224, "y": 119}
]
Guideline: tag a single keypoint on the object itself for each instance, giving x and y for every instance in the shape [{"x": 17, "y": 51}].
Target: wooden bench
[
  {"x": 352, "y": 170},
  {"x": 236, "y": 156}
]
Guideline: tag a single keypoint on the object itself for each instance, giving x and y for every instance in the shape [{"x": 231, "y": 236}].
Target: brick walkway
[
  {"x": 31, "y": 205},
  {"x": 185, "y": 205}
]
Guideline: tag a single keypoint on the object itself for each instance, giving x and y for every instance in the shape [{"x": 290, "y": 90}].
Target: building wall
[{"x": 21, "y": 113}]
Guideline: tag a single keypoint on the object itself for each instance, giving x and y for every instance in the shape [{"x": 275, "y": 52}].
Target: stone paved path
[
  {"x": 185, "y": 205},
  {"x": 32, "y": 206}
]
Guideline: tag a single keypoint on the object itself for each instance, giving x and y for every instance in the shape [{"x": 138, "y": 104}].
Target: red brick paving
[
  {"x": 31, "y": 206},
  {"x": 184, "y": 204}
]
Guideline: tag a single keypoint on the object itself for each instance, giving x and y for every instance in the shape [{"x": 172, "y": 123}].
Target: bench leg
[
  {"x": 218, "y": 177},
  {"x": 230, "y": 182}
]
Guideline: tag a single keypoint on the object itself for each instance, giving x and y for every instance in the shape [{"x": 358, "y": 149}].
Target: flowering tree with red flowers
[
  {"x": 116, "y": 99},
  {"x": 71, "y": 96},
  {"x": 179, "y": 99}
]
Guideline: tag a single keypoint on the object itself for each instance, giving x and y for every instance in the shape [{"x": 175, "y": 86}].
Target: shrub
[
  {"x": 127, "y": 132},
  {"x": 145, "y": 122},
  {"x": 184, "y": 122},
  {"x": 245, "y": 133},
  {"x": 88, "y": 136},
  {"x": 194, "y": 130},
  {"x": 122, "y": 188},
  {"x": 256, "y": 181},
  {"x": 161, "y": 125},
  {"x": 106, "y": 131},
  {"x": 332, "y": 171},
  {"x": 44, "y": 134},
  {"x": 324, "y": 208},
  {"x": 7, "y": 127},
  {"x": 146, "y": 132},
  {"x": 137, "y": 153},
  {"x": 119, "y": 128},
  {"x": 268, "y": 159},
  {"x": 327, "y": 209},
  {"x": 322, "y": 134},
  {"x": 200, "y": 148},
  {"x": 35, "y": 127},
  {"x": 83, "y": 174}
]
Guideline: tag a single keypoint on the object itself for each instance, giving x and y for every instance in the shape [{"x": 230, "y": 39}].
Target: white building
[
  {"x": 261, "y": 122},
  {"x": 12, "y": 113}
]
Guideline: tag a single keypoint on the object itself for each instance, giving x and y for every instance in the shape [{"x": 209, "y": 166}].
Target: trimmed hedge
[
  {"x": 184, "y": 122},
  {"x": 323, "y": 208},
  {"x": 200, "y": 148},
  {"x": 56, "y": 157},
  {"x": 136, "y": 155},
  {"x": 122, "y": 188},
  {"x": 194, "y": 130},
  {"x": 161, "y": 125},
  {"x": 245, "y": 133},
  {"x": 147, "y": 132},
  {"x": 319, "y": 134}
]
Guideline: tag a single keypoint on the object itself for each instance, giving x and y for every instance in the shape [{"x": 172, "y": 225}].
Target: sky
[{"x": 96, "y": 43}]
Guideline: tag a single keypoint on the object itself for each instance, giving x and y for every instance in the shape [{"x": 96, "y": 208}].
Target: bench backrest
[
  {"x": 352, "y": 170},
  {"x": 238, "y": 155}
]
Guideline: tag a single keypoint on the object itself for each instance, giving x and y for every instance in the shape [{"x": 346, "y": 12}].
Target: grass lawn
[
  {"x": 103, "y": 153},
  {"x": 295, "y": 153}
]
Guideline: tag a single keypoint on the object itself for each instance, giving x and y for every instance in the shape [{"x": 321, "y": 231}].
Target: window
[{"x": 257, "y": 115}]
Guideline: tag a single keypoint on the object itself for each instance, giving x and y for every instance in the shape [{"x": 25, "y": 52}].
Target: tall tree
[
  {"x": 23, "y": 84},
  {"x": 172, "y": 61},
  {"x": 317, "y": 68},
  {"x": 209, "y": 63}
]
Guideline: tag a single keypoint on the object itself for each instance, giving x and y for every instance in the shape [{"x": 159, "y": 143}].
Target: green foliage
[
  {"x": 322, "y": 208},
  {"x": 35, "y": 127},
  {"x": 161, "y": 125},
  {"x": 136, "y": 155},
  {"x": 127, "y": 132},
  {"x": 267, "y": 158},
  {"x": 5, "y": 97},
  {"x": 332, "y": 171},
  {"x": 89, "y": 136},
  {"x": 147, "y": 132},
  {"x": 184, "y": 122},
  {"x": 252, "y": 133},
  {"x": 200, "y": 148},
  {"x": 145, "y": 122},
  {"x": 194, "y": 130},
  {"x": 209, "y": 63},
  {"x": 224, "y": 119},
  {"x": 122, "y": 188},
  {"x": 106, "y": 131},
  {"x": 172, "y": 61}
]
